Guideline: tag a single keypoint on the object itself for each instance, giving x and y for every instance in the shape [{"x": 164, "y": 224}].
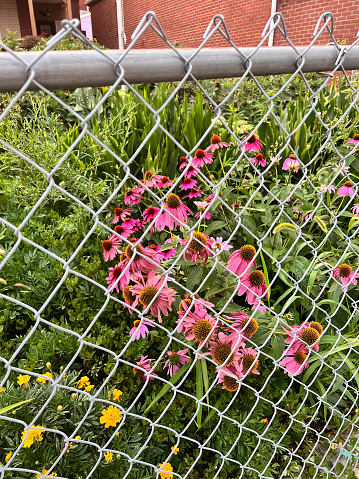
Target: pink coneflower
[
  {"x": 230, "y": 377},
  {"x": 328, "y": 188},
  {"x": 216, "y": 143},
  {"x": 242, "y": 260},
  {"x": 354, "y": 140},
  {"x": 175, "y": 361},
  {"x": 252, "y": 143},
  {"x": 156, "y": 250},
  {"x": 197, "y": 247},
  {"x": 140, "y": 329},
  {"x": 110, "y": 247},
  {"x": 202, "y": 205},
  {"x": 253, "y": 285},
  {"x": 220, "y": 245},
  {"x": 201, "y": 157},
  {"x": 291, "y": 164},
  {"x": 165, "y": 181},
  {"x": 296, "y": 360},
  {"x": 346, "y": 275},
  {"x": 132, "y": 197},
  {"x": 346, "y": 190},
  {"x": 115, "y": 273},
  {"x": 194, "y": 322},
  {"x": 182, "y": 163},
  {"x": 225, "y": 352},
  {"x": 188, "y": 184},
  {"x": 309, "y": 216},
  {"x": 121, "y": 214},
  {"x": 128, "y": 297},
  {"x": 145, "y": 260},
  {"x": 144, "y": 363},
  {"x": 194, "y": 193},
  {"x": 180, "y": 212},
  {"x": 259, "y": 306},
  {"x": 249, "y": 361},
  {"x": 258, "y": 160},
  {"x": 306, "y": 335},
  {"x": 151, "y": 179},
  {"x": 125, "y": 230},
  {"x": 355, "y": 209},
  {"x": 150, "y": 213},
  {"x": 169, "y": 253},
  {"x": 147, "y": 290},
  {"x": 191, "y": 172},
  {"x": 344, "y": 169},
  {"x": 138, "y": 225},
  {"x": 197, "y": 300},
  {"x": 243, "y": 325}
]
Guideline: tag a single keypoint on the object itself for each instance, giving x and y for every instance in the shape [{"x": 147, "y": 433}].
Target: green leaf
[
  {"x": 13, "y": 406},
  {"x": 166, "y": 246},
  {"x": 205, "y": 377},
  {"x": 215, "y": 225},
  {"x": 214, "y": 410},
  {"x": 311, "y": 280},
  {"x": 265, "y": 270},
  {"x": 199, "y": 391},
  {"x": 194, "y": 277},
  {"x": 278, "y": 345},
  {"x": 167, "y": 387}
]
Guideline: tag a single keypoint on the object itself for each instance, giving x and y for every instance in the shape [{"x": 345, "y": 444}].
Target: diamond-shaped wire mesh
[{"x": 274, "y": 380}]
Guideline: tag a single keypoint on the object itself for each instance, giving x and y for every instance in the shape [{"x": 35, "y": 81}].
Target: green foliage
[{"x": 65, "y": 331}]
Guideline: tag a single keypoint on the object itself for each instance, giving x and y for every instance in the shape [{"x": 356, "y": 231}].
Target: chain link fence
[{"x": 239, "y": 343}]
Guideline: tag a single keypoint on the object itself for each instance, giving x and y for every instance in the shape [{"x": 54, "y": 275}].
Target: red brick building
[
  {"x": 33, "y": 17},
  {"x": 185, "y": 21}
]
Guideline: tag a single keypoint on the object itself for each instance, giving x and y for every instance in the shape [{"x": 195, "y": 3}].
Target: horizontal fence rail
[
  {"x": 79, "y": 69},
  {"x": 188, "y": 260}
]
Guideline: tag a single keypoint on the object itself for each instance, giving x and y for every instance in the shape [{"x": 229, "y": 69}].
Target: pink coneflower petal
[
  {"x": 252, "y": 143},
  {"x": 110, "y": 247},
  {"x": 144, "y": 363},
  {"x": 346, "y": 190},
  {"x": 216, "y": 143},
  {"x": 201, "y": 157},
  {"x": 155, "y": 294},
  {"x": 354, "y": 140},
  {"x": 188, "y": 184},
  {"x": 132, "y": 197},
  {"x": 291, "y": 164},
  {"x": 121, "y": 214},
  {"x": 175, "y": 361},
  {"x": 328, "y": 188},
  {"x": 343, "y": 169},
  {"x": 140, "y": 329}
]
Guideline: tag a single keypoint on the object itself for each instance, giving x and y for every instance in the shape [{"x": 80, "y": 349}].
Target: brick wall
[
  {"x": 104, "y": 22},
  {"x": 301, "y": 17},
  {"x": 185, "y": 21},
  {"x": 24, "y": 17}
]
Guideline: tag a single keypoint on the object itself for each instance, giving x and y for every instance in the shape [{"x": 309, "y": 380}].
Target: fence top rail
[{"x": 78, "y": 69}]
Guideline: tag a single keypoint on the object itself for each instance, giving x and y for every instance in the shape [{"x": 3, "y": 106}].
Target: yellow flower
[
  {"x": 43, "y": 380},
  {"x": 82, "y": 382},
  {"x": 165, "y": 471},
  {"x": 78, "y": 438},
  {"x": 7, "y": 458},
  {"x": 108, "y": 456},
  {"x": 175, "y": 450},
  {"x": 111, "y": 416},
  {"x": 23, "y": 380},
  {"x": 2, "y": 390},
  {"x": 53, "y": 474},
  {"x": 32, "y": 434},
  {"x": 117, "y": 395},
  {"x": 117, "y": 433}
]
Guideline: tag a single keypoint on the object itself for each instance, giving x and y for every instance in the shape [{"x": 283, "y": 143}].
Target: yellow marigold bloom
[
  {"x": 78, "y": 438},
  {"x": 2, "y": 390},
  {"x": 111, "y": 416},
  {"x": 53, "y": 474},
  {"x": 117, "y": 433},
  {"x": 175, "y": 450},
  {"x": 43, "y": 380},
  {"x": 23, "y": 380},
  {"x": 88, "y": 387},
  {"x": 32, "y": 434},
  {"x": 117, "y": 395},
  {"x": 7, "y": 458},
  {"x": 165, "y": 471},
  {"x": 108, "y": 456},
  {"x": 82, "y": 382}
]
